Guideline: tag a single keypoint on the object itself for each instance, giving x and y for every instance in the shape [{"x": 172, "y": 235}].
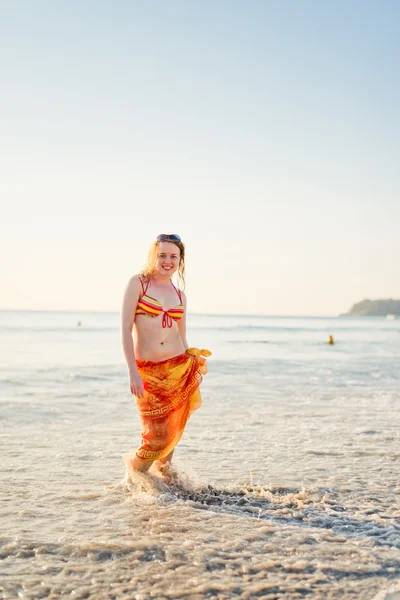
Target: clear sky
[{"x": 267, "y": 134}]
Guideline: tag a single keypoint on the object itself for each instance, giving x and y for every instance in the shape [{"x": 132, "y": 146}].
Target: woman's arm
[
  {"x": 182, "y": 322},
  {"x": 129, "y": 304}
]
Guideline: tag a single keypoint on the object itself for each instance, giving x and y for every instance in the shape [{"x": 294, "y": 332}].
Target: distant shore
[{"x": 375, "y": 308}]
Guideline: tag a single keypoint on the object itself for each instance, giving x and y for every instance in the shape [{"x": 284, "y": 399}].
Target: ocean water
[{"x": 285, "y": 485}]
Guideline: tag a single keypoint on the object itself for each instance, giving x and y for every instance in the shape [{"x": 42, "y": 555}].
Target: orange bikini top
[{"x": 150, "y": 307}]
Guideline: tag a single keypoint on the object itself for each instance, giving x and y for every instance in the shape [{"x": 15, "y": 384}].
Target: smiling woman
[{"x": 164, "y": 374}]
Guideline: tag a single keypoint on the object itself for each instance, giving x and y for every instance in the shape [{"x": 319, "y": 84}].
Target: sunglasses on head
[{"x": 168, "y": 237}]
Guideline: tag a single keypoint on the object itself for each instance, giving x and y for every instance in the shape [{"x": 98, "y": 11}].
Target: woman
[{"x": 164, "y": 374}]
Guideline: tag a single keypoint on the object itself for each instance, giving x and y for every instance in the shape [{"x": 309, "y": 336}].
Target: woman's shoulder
[{"x": 135, "y": 282}]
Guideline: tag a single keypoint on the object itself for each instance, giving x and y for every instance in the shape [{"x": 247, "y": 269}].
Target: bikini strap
[
  {"x": 178, "y": 291},
  {"x": 144, "y": 289}
]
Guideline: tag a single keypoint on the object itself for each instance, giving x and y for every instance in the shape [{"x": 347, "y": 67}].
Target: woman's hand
[{"x": 136, "y": 384}]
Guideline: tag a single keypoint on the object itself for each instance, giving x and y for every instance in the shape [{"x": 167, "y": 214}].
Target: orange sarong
[{"x": 171, "y": 395}]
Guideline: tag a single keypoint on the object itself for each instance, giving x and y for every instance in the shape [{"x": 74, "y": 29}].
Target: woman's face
[{"x": 168, "y": 258}]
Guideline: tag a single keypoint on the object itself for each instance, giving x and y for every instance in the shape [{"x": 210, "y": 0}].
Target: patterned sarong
[{"x": 171, "y": 394}]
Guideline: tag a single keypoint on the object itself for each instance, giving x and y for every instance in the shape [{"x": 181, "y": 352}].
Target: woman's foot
[
  {"x": 167, "y": 471},
  {"x": 162, "y": 467}
]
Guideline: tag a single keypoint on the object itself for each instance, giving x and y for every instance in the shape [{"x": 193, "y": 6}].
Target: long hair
[{"x": 149, "y": 267}]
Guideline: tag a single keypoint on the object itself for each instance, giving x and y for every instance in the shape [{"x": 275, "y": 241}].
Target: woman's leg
[
  {"x": 166, "y": 459},
  {"x": 140, "y": 465}
]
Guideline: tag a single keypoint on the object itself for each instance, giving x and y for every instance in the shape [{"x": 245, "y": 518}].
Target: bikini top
[{"x": 150, "y": 307}]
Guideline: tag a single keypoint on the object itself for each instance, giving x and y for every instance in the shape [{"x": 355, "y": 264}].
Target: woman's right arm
[{"x": 129, "y": 304}]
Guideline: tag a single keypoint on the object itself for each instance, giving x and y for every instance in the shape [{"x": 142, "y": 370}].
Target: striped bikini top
[{"x": 150, "y": 307}]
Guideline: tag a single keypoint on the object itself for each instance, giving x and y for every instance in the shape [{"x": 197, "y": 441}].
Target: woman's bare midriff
[{"x": 154, "y": 342}]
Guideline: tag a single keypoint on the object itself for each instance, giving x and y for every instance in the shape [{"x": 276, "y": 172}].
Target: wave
[
  {"x": 315, "y": 508},
  {"x": 254, "y": 342}
]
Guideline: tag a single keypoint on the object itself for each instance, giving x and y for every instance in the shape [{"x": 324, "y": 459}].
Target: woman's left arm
[{"x": 182, "y": 322}]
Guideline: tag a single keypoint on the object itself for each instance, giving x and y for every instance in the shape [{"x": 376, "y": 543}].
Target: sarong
[{"x": 171, "y": 395}]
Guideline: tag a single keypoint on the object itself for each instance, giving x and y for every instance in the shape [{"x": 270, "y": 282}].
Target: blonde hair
[{"x": 149, "y": 268}]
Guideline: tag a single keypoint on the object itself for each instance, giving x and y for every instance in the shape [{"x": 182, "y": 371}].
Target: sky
[{"x": 267, "y": 134}]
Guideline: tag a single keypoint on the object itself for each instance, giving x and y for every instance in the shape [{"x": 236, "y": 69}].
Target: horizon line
[{"x": 208, "y": 314}]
